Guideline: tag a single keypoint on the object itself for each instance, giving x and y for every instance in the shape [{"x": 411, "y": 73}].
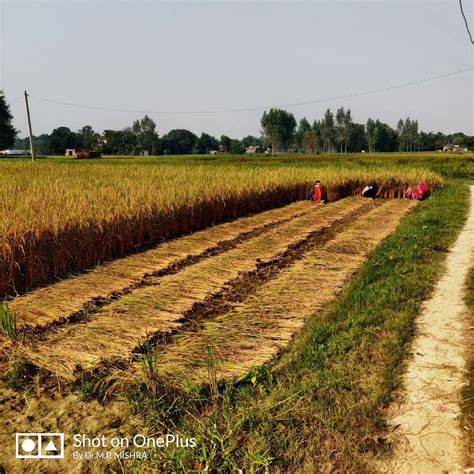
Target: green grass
[
  {"x": 319, "y": 407},
  {"x": 470, "y": 289},
  {"x": 467, "y": 394},
  {"x": 8, "y": 321}
]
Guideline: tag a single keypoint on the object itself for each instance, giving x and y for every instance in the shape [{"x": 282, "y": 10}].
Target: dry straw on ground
[
  {"x": 253, "y": 331},
  {"x": 114, "y": 331},
  {"x": 66, "y": 298}
]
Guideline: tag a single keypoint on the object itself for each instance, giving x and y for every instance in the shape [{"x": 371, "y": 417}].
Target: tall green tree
[
  {"x": 407, "y": 134},
  {"x": 303, "y": 128},
  {"x": 358, "y": 141},
  {"x": 119, "y": 142},
  {"x": 146, "y": 134},
  {"x": 225, "y": 142},
  {"x": 178, "y": 142},
  {"x": 205, "y": 143},
  {"x": 340, "y": 134},
  {"x": 87, "y": 138},
  {"x": 348, "y": 124},
  {"x": 468, "y": 141},
  {"x": 370, "y": 134},
  {"x": 310, "y": 142},
  {"x": 236, "y": 147},
  {"x": 7, "y": 131},
  {"x": 318, "y": 135},
  {"x": 328, "y": 131},
  {"x": 386, "y": 138},
  {"x": 414, "y": 134},
  {"x": 401, "y": 138},
  {"x": 278, "y": 127},
  {"x": 62, "y": 138}
]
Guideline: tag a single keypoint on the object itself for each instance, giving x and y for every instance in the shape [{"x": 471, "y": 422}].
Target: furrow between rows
[
  {"x": 253, "y": 331},
  {"x": 73, "y": 297},
  {"x": 166, "y": 303}
]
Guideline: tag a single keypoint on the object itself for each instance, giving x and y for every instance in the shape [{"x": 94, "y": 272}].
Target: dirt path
[{"x": 426, "y": 433}]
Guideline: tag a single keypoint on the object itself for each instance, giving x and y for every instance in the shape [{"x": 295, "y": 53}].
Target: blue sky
[{"x": 188, "y": 56}]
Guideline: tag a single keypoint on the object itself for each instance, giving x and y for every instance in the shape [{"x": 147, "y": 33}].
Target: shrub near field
[{"x": 60, "y": 218}]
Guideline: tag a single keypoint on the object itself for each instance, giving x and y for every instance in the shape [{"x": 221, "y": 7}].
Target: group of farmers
[{"x": 318, "y": 193}]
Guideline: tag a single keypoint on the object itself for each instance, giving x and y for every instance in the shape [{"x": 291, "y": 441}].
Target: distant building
[
  {"x": 82, "y": 153},
  {"x": 15, "y": 152},
  {"x": 144, "y": 153},
  {"x": 213, "y": 152},
  {"x": 252, "y": 149},
  {"x": 455, "y": 148}
]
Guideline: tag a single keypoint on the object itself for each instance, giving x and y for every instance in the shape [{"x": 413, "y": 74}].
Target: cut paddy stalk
[
  {"x": 160, "y": 307},
  {"x": 253, "y": 331},
  {"x": 74, "y": 297}
]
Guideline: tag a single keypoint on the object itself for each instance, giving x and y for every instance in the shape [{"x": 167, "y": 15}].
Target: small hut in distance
[{"x": 82, "y": 153}]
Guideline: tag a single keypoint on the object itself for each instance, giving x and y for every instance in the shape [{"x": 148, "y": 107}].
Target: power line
[
  {"x": 249, "y": 109},
  {"x": 465, "y": 21}
]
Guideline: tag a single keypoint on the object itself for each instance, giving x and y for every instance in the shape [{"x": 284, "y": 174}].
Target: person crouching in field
[
  {"x": 418, "y": 192},
  {"x": 318, "y": 193},
  {"x": 370, "y": 191}
]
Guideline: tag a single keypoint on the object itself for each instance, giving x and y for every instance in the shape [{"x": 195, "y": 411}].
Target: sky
[{"x": 193, "y": 56}]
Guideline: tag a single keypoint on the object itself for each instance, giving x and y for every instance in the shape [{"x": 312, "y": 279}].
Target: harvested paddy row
[
  {"x": 253, "y": 331},
  {"x": 75, "y": 296},
  {"x": 165, "y": 304}
]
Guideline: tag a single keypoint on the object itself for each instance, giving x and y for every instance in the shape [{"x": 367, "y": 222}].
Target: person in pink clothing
[{"x": 418, "y": 192}]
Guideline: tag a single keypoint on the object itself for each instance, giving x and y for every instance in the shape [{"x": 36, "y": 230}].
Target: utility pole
[{"x": 29, "y": 127}]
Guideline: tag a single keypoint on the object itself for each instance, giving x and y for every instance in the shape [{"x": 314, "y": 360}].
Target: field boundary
[{"x": 426, "y": 432}]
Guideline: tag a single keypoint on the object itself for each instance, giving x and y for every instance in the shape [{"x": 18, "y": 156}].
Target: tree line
[
  {"x": 141, "y": 137},
  {"x": 337, "y": 132},
  {"x": 280, "y": 133}
]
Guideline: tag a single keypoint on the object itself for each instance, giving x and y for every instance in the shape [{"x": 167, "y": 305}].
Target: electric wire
[{"x": 254, "y": 108}]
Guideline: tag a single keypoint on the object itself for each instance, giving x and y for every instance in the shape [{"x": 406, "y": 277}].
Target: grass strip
[
  {"x": 467, "y": 402},
  {"x": 320, "y": 407}
]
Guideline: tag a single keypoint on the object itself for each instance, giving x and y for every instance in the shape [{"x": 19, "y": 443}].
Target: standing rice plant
[
  {"x": 212, "y": 378},
  {"x": 150, "y": 367},
  {"x": 8, "y": 320},
  {"x": 92, "y": 212}
]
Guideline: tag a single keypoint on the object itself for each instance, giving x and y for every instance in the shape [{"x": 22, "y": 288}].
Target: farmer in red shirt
[{"x": 318, "y": 193}]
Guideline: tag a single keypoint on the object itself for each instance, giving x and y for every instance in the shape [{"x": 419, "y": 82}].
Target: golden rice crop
[{"x": 58, "y": 218}]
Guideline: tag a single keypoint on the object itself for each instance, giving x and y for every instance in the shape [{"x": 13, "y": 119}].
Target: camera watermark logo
[{"x": 39, "y": 445}]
